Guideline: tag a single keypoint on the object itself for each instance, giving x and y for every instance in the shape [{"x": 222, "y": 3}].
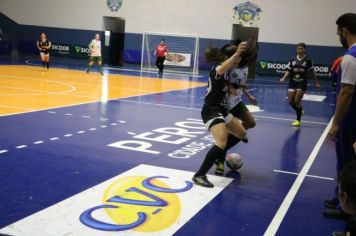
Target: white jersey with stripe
[
  {"x": 236, "y": 77},
  {"x": 95, "y": 46}
]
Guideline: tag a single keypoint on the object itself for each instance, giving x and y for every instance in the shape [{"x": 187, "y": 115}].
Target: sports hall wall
[{"x": 282, "y": 23}]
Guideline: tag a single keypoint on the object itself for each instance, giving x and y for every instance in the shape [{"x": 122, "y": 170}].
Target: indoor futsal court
[{"x": 90, "y": 154}]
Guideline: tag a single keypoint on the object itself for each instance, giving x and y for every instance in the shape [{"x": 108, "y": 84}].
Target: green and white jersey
[{"x": 95, "y": 46}]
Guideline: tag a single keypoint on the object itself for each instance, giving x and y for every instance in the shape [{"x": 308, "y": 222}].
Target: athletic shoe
[
  {"x": 101, "y": 73},
  {"x": 245, "y": 140},
  {"x": 219, "y": 168},
  {"x": 296, "y": 123},
  {"x": 336, "y": 214},
  {"x": 87, "y": 70},
  {"x": 202, "y": 181},
  {"x": 332, "y": 203}
]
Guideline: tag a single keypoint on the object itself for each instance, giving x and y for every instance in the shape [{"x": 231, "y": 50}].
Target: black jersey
[
  {"x": 44, "y": 45},
  {"x": 299, "y": 69},
  {"x": 217, "y": 88}
]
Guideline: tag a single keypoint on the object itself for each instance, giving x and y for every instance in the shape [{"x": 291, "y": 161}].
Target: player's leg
[
  {"x": 242, "y": 113},
  {"x": 43, "y": 59},
  {"x": 299, "y": 109},
  {"x": 100, "y": 61},
  {"x": 217, "y": 128},
  {"x": 162, "y": 65},
  {"x": 291, "y": 98},
  {"x": 90, "y": 64},
  {"x": 47, "y": 60}
]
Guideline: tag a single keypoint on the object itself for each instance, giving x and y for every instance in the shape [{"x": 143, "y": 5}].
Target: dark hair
[
  {"x": 162, "y": 40},
  {"x": 347, "y": 181},
  {"x": 251, "y": 53},
  {"x": 302, "y": 45},
  {"x": 348, "y": 21},
  {"x": 216, "y": 55}
]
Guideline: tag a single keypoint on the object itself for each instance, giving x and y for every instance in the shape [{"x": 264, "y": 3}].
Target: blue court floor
[{"x": 53, "y": 155}]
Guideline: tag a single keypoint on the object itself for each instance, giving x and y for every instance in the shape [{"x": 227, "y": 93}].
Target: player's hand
[
  {"x": 241, "y": 48},
  {"x": 332, "y": 132},
  {"x": 282, "y": 80},
  {"x": 317, "y": 85},
  {"x": 253, "y": 101}
]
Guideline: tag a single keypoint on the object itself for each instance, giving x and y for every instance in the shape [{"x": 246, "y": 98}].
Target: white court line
[
  {"x": 103, "y": 126},
  {"x": 280, "y": 214},
  {"x": 21, "y": 146},
  {"x": 52, "y": 112},
  {"x": 81, "y": 132},
  {"x": 92, "y": 129},
  {"x": 38, "y": 142},
  {"x": 68, "y": 135},
  {"x": 295, "y": 173},
  {"x": 68, "y": 114},
  {"x": 278, "y": 118},
  {"x": 3, "y": 151},
  {"x": 198, "y": 109},
  {"x": 54, "y": 138}
]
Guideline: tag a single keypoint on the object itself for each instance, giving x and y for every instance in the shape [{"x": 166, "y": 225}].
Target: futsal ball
[{"x": 234, "y": 161}]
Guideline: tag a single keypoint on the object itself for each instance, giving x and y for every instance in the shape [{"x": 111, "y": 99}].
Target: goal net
[{"x": 182, "y": 56}]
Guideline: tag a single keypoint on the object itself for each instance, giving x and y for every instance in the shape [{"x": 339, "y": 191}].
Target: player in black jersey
[
  {"x": 44, "y": 46},
  {"x": 298, "y": 69},
  {"x": 214, "y": 112}
]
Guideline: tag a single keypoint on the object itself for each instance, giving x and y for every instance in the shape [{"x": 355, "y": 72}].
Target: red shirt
[{"x": 161, "y": 50}]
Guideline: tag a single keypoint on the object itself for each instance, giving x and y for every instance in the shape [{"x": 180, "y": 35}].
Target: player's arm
[
  {"x": 49, "y": 45},
  {"x": 251, "y": 98},
  {"x": 38, "y": 46},
  {"x": 348, "y": 80},
  {"x": 311, "y": 68},
  {"x": 286, "y": 74},
  {"x": 226, "y": 65},
  {"x": 317, "y": 84},
  {"x": 165, "y": 51},
  {"x": 343, "y": 102}
]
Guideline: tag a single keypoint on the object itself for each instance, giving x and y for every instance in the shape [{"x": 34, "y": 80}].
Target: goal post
[{"x": 182, "y": 56}]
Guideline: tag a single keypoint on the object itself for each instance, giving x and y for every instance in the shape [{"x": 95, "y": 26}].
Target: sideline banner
[
  {"x": 59, "y": 49},
  {"x": 278, "y": 68}
]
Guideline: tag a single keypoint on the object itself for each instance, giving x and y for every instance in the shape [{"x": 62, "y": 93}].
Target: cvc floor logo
[
  {"x": 145, "y": 200},
  {"x": 142, "y": 204}
]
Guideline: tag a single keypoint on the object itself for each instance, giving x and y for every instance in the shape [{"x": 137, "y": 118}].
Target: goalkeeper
[{"x": 161, "y": 53}]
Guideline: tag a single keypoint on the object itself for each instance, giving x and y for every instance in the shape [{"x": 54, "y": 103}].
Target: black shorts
[
  {"x": 46, "y": 52},
  {"x": 297, "y": 85},
  {"x": 212, "y": 115},
  {"x": 239, "y": 109}
]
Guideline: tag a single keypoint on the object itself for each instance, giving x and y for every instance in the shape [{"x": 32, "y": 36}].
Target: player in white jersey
[
  {"x": 95, "y": 54},
  {"x": 237, "y": 77}
]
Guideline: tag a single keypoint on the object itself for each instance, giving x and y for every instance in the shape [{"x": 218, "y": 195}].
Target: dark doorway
[
  {"x": 242, "y": 33},
  {"x": 114, "y": 39}
]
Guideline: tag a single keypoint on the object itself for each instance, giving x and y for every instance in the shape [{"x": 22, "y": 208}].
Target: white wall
[{"x": 282, "y": 21}]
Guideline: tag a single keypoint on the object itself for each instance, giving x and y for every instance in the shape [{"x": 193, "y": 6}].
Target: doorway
[
  {"x": 114, "y": 28},
  {"x": 242, "y": 33}
]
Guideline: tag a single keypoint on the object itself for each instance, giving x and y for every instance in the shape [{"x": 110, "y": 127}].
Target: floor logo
[
  {"x": 145, "y": 200},
  {"x": 143, "y": 204}
]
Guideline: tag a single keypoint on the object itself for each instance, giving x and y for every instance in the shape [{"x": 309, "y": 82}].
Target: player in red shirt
[{"x": 161, "y": 53}]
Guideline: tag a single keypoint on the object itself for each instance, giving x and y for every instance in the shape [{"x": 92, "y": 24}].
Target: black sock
[
  {"x": 293, "y": 105},
  {"x": 214, "y": 153},
  {"x": 47, "y": 64},
  {"x": 299, "y": 113},
  {"x": 43, "y": 63},
  {"x": 231, "y": 141}
]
